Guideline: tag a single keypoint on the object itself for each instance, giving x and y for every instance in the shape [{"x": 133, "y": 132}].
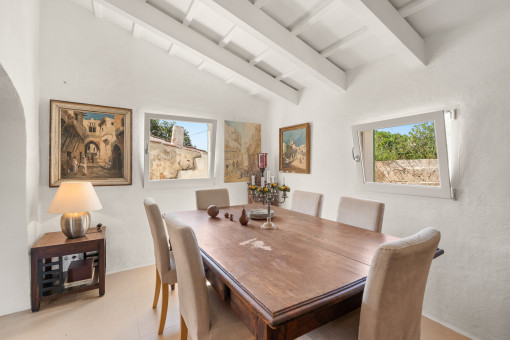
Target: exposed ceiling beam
[
  {"x": 414, "y": 7},
  {"x": 161, "y": 24},
  {"x": 192, "y": 11},
  {"x": 259, "y": 56},
  {"x": 286, "y": 74},
  {"x": 264, "y": 28},
  {"x": 388, "y": 25},
  {"x": 226, "y": 39},
  {"x": 259, "y": 3},
  {"x": 98, "y": 9},
  {"x": 346, "y": 42},
  {"x": 316, "y": 13}
]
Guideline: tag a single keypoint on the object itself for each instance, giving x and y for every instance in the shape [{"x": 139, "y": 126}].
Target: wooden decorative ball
[
  {"x": 227, "y": 214},
  {"x": 213, "y": 211}
]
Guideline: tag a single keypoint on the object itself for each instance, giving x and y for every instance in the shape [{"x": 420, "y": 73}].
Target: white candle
[
  {"x": 262, "y": 182},
  {"x": 268, "y": 176},
  {"x": 272, "y": 179},
  {"x": 283, "y": 180},
  {"x": 252, "y": 180}
]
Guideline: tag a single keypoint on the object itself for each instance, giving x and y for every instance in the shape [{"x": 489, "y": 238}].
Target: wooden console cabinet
[{"x": 48, "y": 276}]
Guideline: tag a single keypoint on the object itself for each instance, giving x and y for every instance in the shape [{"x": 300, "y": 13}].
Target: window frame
[
  {"x": 179, "y": 182},
  {"x": 444, "y": 190}
]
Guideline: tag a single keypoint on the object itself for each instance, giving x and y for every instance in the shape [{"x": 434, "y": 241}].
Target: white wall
[
  {"x": 19, "y": 171},
  {"x": 469, "y": 287},
  {"x": 88, "y": 60}
]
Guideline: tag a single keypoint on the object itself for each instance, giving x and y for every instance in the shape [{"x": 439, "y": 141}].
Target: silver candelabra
[{"x": 267, "y": 194}]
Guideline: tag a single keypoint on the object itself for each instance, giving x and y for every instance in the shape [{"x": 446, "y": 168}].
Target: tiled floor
[{"x": 124, "y": 312}]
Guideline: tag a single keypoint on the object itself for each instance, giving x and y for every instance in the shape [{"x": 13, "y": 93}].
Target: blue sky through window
[
  {"x": 197, "y": 133},
  {"x": 402, "y": 129}
]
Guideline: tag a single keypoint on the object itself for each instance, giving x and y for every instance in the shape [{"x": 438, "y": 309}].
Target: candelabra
[{"x": 266, "y": 194}]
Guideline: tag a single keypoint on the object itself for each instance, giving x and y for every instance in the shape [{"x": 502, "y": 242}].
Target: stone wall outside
[{"x": 412, "y": 171}]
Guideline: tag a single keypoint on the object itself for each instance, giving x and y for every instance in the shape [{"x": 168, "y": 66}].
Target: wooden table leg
[
  {"x": 264, "y": 332},
  {"x": 34, "y": 284},
  {"x": 102, "y": 267}
]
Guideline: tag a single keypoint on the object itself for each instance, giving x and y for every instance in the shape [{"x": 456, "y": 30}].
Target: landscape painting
[
  {"x": 295, "y": 148},
  {"x": 242, "y": 144},
  {"x": 90, "y": 143}
]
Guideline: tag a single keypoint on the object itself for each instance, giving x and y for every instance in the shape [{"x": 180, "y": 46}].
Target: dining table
[{"x": 285, "y": 282}]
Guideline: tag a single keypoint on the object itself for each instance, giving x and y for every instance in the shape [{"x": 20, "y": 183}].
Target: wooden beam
[
  {"x": 414, "y": 7},
  {"x": 98, "y": 9},
  {"x": 226, "y": 39},
  {"x": 265, "y": 29},
  {"x": 387, "y": 24},
  {"x": 259, "y": 57},
  {"x": 305, "y": 21},
  {"x": 346, "y": 42},
  {"x": 192, "y": 11},
  {"x": 159, "y": 23},
  {"x": 259, "y": 3}
]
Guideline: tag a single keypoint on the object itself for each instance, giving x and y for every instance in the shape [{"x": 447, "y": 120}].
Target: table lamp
[{"x": 74, "y": 200}]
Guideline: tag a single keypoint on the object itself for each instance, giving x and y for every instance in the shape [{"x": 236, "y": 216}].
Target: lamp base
[{"x": 75, "y": 225}]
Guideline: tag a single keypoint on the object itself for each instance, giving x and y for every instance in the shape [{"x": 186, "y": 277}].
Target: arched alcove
[{"x": 13, "y": 205}]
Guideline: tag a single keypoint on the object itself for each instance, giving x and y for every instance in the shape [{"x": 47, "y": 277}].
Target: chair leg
[
  {"x": 164, "y": 308},
  {"x": 172, "y": 286},
  {"x": 184, "y": 330},
  {"x": 156, "y": 291}
]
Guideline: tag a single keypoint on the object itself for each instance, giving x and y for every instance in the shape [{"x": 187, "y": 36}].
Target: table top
[
  {"x": 58, "y": 238},
  {"x": 305, "y": 260}
]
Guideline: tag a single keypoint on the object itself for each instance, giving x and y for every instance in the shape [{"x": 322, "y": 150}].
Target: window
[
  {"x": 405, "y": 155},
  {"x": 178, "y": 149}
]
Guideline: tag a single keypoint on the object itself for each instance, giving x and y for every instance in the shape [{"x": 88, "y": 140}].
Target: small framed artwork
[
  {"x": 89, "y": 143},
  {"x": 295, "y": 148}
]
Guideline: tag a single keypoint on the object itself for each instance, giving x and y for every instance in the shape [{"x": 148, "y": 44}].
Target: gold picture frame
[
  {"x": 90, "y": 143},
  {"x": 295, "y": 149}
]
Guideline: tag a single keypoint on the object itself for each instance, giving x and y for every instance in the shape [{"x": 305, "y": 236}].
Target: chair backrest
[
  {"x": 393, "y": 297},
  {"x": 193, "y": 298},
  {"x": 217, "y": 197},
  {"x": 307, "y": 202},
  {"x": 360, "y": 213},
  {"x": 159, "y": 237}
]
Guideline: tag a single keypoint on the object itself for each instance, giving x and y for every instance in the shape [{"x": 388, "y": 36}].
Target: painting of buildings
[
  {"x": 295, "y": 148},
  {"x": 92, "y": 145},
  {"x": 242, "y": 144}
]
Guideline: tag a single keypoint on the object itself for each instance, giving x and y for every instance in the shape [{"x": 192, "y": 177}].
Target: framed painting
[
  {"x": 89, "y": 143},
  {"x": 295, "y": 148},
  {"x": 242, "y": 144}
]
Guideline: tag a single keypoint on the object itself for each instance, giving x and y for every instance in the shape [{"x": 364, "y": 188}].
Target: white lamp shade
[{"x": 74, "y": 197}]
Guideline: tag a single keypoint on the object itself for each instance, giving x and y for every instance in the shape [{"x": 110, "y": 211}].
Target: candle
[
  {"x": 252, "y": 180},
  {"x": 268, "y": 176},
  {"x": 262, "y": 181},
  {"x": 283, "y": 180},
  {"x": 272, "y": 179}
]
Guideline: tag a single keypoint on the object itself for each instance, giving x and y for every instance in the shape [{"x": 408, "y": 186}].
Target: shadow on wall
[{"x": 13, "y": 243}]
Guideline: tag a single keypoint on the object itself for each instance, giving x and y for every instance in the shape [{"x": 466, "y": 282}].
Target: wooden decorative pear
[{"x": 243, "y": 219}]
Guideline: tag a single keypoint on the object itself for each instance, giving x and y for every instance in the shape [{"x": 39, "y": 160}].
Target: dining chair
[
  {"x": 203, "y": 314},
  {"x": 307, "y": 203},
  {"x": 217, "y": 197},
  {"x": 360, "y": 213},
  {"x": 393, "y": 297},
  {"x": 165, "y": 264}
]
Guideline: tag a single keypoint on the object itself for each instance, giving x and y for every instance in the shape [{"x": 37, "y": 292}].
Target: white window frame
[
  {"x": 442, "y": 191},
  {"x": 180, "y": 182}
]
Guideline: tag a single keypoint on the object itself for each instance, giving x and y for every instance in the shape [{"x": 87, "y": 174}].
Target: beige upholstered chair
[
  {"x": 307, "y": 203},
  {"x": 218, "y": 197},
  {"x": 165, "y": 265},
  {"x": 203, "y": 314},
  {"x": 393, "y": 297},
  {"x": 360, "y": 213}
]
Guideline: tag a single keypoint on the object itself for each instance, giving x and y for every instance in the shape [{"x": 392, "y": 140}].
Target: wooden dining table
[{"x": 286, "y": 282}]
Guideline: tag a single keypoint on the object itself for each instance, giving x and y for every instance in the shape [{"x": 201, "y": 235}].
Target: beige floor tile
[{"x": 124, "y": 312}]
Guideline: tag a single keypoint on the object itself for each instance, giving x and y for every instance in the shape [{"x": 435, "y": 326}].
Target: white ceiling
[{"x": 305, "y": 42}]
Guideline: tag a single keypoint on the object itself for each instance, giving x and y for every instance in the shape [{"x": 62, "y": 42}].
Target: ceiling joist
[
  {"x": 157, "y": 22},
  {"x": 259, "y": 3},
  {"x": 346, "y": 42},
  {"x": 385, "y": 22},
  {"x": 304, "y": 22},
  {"x": 414, "y": 7},
  {"x": 264, "y": 28},
  {"x": 193, "y": 10}
]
